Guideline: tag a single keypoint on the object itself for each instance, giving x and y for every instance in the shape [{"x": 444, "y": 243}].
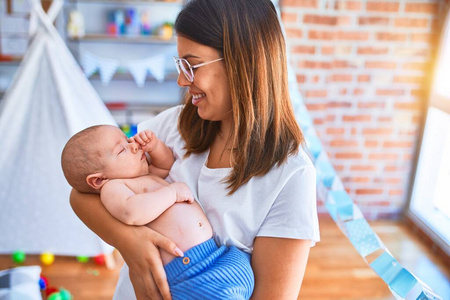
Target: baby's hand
[
  {"x": 147, "y": 139},
  {"x": 184, "y": 194}
]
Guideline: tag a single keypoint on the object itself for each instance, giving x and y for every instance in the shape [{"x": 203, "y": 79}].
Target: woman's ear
[{"x": 96, "y": 181}]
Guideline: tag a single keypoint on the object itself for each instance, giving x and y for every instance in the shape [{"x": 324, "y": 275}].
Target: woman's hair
[{"x": 249, "y": 36}]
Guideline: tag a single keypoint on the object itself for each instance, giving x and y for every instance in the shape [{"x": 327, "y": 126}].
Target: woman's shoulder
[{"x": 299, "y": 162}]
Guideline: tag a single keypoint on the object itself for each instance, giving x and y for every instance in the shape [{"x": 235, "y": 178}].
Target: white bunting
[
  {"x": 108, "y": 68},
  {"x": 138, "y": 70},
  {"x": 89, "y": 62},
  {"x": 156, "y": 67}
]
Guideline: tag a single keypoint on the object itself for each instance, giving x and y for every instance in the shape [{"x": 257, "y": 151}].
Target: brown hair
[
  {"x": 80, "y": 159},
  {"x": 249, "y": 36}
]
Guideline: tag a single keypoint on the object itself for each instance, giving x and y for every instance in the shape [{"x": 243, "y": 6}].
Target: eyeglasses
[{"x": 188, "y": 70}]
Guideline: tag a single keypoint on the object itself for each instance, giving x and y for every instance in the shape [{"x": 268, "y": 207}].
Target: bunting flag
[
  {"x": 156, "y": 67},
  {"x": 89, "y": 64},
  {"x": 107, "y": 68},
  {"x": 352, "y": 223},
  {"x": 139, "y": 69}
]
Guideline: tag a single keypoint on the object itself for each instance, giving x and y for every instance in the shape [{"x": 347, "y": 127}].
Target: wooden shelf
[{"x": 138, "y": 39}]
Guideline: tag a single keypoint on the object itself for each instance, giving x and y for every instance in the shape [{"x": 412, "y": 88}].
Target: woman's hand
[
  {"x": 139, "y": 245},
  {"x": 140, "y": 252}
]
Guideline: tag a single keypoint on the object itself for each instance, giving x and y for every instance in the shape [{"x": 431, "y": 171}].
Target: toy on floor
[
  {"x": 53, "y": 293},
  {"x": 47, "y": 258},
  {"x": 43, "y": 283},
  {"x": 83, "y": 259},
  {"x": 65, "y": 294},
  {"x": 61, "y": 295},
  {"x": 100, "y": 259},
  {"x": 18, "y": 256}
]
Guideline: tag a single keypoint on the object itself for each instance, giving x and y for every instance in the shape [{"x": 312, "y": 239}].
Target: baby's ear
[{"x": 96, "y": 181}]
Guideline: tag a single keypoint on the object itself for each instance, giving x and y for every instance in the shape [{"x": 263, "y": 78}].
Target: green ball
[
  {"x": 18, "y": 257},
  {"x": 55, "y": 296},
  {"x": 83, "y": 259},
  {"x": 65, "y": 294}
]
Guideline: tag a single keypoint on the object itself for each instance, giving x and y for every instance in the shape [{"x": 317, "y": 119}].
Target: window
[{"x": 429, "y": 207}]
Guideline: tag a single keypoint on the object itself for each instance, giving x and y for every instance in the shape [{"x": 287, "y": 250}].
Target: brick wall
[{"x": 364, "y": 68}]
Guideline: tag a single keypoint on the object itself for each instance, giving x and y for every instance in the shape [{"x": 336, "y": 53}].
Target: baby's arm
[
  {"x": 161, "y": 156},
  {"x": 139, "y": 209}
]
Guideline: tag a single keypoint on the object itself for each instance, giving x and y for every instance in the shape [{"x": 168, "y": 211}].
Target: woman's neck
[
  {"x": 224, "y": 135},
  {"x": 221, "y": 150}
]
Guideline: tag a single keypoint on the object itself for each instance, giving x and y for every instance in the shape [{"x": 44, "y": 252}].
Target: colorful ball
[
  {"x": 50, "y": 290},
  {"x": 83, "y": 259},
  {"x": 18, "y": 257},
  {"x": 43, "y": 282},
  {"x": 65, "y": 294},
  {"x": 47, "y": 258},
  {"x": 55, "y": 296},
  {"x": 100, "y": 259}
]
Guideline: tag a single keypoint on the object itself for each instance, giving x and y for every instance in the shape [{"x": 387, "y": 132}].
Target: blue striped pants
[{"x": 210, "y": 272}]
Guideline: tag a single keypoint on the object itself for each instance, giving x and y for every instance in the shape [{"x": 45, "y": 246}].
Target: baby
[{"x": 100, "y": 159}]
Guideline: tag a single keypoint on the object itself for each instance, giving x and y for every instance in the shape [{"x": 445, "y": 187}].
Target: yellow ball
[{"x": 47, "y": 258}]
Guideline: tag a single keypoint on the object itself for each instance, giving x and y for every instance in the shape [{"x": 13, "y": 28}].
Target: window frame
[{"x": 441, "y": 102}]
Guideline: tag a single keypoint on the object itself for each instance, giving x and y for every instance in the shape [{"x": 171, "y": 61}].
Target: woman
[{"x": 238, "y": 147}]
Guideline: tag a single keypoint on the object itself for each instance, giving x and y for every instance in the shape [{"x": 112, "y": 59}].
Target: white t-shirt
[{"x": 281, "y": 203}]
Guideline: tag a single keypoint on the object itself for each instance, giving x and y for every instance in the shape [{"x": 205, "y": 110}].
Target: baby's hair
[{"x": 80, "y": 158}]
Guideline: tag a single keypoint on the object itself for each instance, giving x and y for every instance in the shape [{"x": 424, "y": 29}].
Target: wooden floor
[{"x": 335, "y": 270}]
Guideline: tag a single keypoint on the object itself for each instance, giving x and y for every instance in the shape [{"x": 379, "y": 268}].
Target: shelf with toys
[
  {"x": 149, "y": 21},
  {"x": 99, "y": 37},
  {"x": 126, "y": 49}
]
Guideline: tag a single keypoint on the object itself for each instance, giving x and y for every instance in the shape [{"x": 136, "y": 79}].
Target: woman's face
[{"x": 210, "y": 90}]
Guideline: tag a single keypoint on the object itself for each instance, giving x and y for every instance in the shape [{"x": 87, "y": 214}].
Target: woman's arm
[
  {"x": 279, "y": 266},
  {"x": 137, "y": 244}
]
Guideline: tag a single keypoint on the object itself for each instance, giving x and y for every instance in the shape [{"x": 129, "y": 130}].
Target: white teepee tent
[{"x": 48, "y": 101}]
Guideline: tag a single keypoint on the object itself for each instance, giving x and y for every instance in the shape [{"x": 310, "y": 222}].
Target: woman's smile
[{"x": 197, "y": 98}]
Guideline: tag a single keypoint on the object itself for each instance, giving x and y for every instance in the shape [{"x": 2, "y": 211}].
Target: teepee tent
[{"x": 48, "y": 101}]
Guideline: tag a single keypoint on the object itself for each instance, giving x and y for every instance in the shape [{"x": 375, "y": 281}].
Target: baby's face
[{"x": 120, "y": 158}]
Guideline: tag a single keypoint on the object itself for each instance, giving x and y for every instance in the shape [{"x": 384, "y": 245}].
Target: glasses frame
[{"x": 180, "y": 69}]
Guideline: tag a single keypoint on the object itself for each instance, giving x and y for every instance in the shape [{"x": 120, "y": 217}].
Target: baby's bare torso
[{"x": 183, "y": 223}]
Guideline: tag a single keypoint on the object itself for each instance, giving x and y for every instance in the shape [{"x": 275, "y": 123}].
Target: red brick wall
[{"x": 363, "y": 68}]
